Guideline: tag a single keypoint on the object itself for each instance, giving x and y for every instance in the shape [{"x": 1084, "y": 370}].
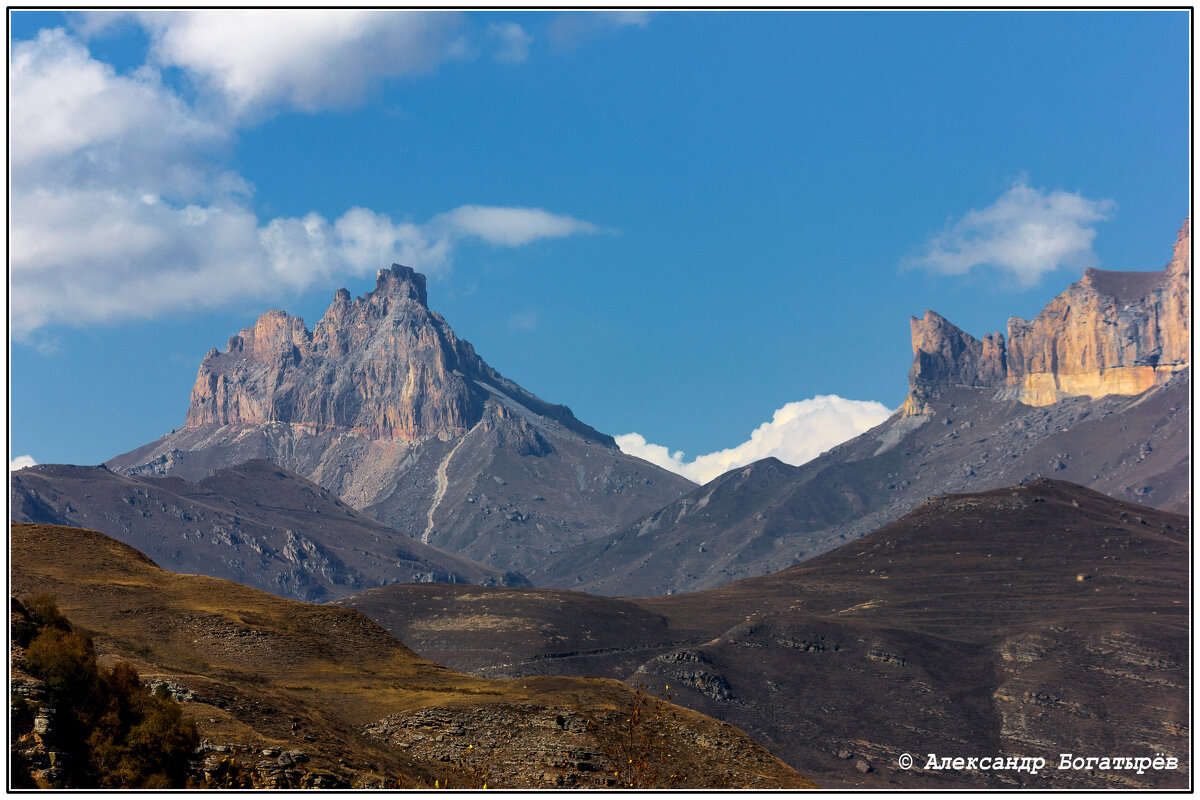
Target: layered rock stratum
[
  {"x": 1109, "y": 333},
  {"x": 382, "y": 404}
]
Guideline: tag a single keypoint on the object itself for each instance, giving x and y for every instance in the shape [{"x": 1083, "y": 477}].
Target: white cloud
[
  {"x": 797, "y": 433},
  {"x": 513, "y": 42},
  {"x": 120, "y": 206},
  {"x": 310, "y": 59},
  {"x": 1026, "y": 232},
  {"x": 21, "y": 462},
  {"x": 510, "y": 226},
  {"x": 569, "y": 29},
  {"x": 138, "y": 258},
  {"x": 74, "y": 121}
]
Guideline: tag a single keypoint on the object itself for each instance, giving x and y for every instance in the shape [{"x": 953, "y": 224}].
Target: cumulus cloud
[
  {"x": 21, "y": 462},
  {"x": 120, "y": 206},
  {"x": 74, "y": 121},
  {"x": 81, "y": 257},
  {"x": 310, "y": 59},
  {"x": 798, "y": 432},
  {"x": 513, "y": 42},
  {"x": 1026, "y": 232}
]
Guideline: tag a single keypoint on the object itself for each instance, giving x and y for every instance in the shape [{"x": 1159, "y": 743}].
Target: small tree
[
  {"x": 638, "y": 749},
  {"x": 115, "y": 732}
]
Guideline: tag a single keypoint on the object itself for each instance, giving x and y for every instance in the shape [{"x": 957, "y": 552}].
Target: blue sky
[{"x": 678, "y": 224}]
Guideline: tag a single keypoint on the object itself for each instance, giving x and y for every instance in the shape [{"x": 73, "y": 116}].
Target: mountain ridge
[
  {"x": 964, "y": 426},
  {"x": 1034, "y": 619},
  {"x": 385, "y": 406},
  {"x": 254, "y": 523}
]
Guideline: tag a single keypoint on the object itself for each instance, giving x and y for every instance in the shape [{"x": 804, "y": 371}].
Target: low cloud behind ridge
[{"x": 796, "y": 433}]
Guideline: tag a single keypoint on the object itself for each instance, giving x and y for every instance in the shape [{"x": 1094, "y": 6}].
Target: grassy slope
[{"x": 276, "y": 672}]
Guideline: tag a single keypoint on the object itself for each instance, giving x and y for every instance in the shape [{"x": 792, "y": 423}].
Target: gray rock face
[
  {"x": 768, "y": 515},
  {"x": 383, "y": 365},
  {"x": 254, "y": 523},
  {"x": 384, "y": 406}
]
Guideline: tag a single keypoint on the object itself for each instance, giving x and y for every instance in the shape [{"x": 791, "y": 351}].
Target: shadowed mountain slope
[
  {"x": 384, "y": 406},
  {"x": 254, "y": 523},
  {"x": 1036, "y": 620},
  {"x": 1096, "y": 389},
  {"x": 262, "y": 674},
  {"x": 768, "y": 515}
]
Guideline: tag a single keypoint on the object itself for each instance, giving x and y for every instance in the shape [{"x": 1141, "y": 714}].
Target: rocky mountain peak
[
  {"x": 1181, "y": 261},
  {"x": 400, "y": 282},
  {"x": 945, "y": 354},
  {"x": 382, "y": 365},
  {"x": 1111, "y": 332},
  {"x": 276, "y": 334}
]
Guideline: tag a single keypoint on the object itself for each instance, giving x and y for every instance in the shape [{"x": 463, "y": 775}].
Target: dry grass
[{"x": 277, "y": 673}]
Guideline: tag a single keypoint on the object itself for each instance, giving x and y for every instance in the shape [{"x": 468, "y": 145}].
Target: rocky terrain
[
  {"x": 254, "y": 523},
  {"x": 979, "y": 415},
  {"x": 1033, "y": 620},
  {"x": 382, "y": 405},
  {"x": 318, "y": 695},
  {"x": 1110, "y": 333}
]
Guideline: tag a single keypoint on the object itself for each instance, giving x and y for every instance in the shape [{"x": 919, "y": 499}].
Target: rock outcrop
[
  {"x": 384, "y": 365},
  {"x": 1109, "y": 333},
  {"x": 944, "y": 355},
  {"x": 382, "y": 404}
]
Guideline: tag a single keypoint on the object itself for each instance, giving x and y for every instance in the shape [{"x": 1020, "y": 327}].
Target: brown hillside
[
  {"x": 264, "y": 675},
  {"x": 1038, "y": 620}
]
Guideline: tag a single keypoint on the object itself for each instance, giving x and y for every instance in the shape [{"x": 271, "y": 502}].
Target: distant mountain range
[
  {"x": 979, "y": 415},
  {"x": 1031, "y": 620},
  {"x": 391, "y": 414}
]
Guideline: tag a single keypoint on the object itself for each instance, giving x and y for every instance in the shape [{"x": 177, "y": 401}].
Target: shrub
[
  {"x": 116, "y": 733},
  {"x": 638, "y": 748}
]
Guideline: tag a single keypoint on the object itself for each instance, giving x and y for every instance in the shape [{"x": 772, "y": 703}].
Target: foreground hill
[
  {"x": 383, "y": 405},
  {"x": 288, "y": 687},
  {"x": 1096, "y": 390},
  {"x": 1035, "y": 620},
  {"x": 255, "y": 523}
]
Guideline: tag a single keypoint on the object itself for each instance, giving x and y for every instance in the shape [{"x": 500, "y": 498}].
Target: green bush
[{"x": 116, "y": 733}]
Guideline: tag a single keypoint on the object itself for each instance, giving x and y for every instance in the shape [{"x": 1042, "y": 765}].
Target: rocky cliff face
[
  {"x": 1109, "y": 333},
  {"x": 384, "y": 405},
  {"x": 383, "y": 364},
  {"x": 944, "y": 355}
]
